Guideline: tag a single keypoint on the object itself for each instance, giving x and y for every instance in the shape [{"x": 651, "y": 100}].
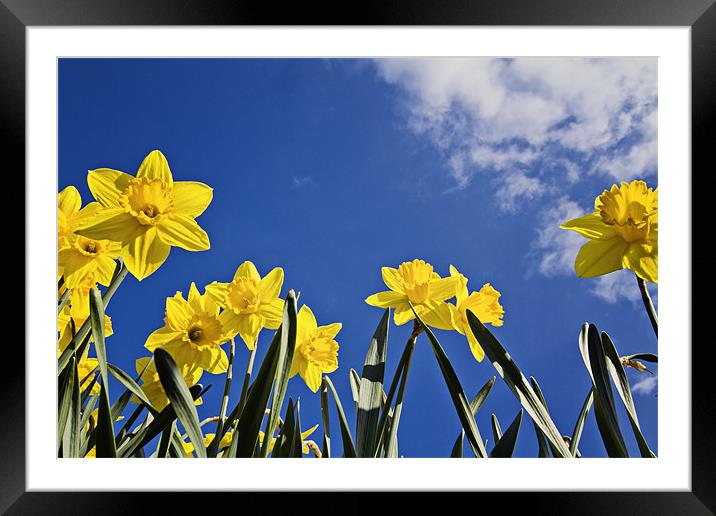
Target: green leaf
[
  {"x": 541, "y": 438},
  {"x": 391, "y": 449},
  {"x": 579, "y": 425},
  {"x": 296, "y": 450},
  {"x": 284, "y": 440},
  {"x": 354, "y": 380},
  {"x": 496, "y": 430},
  {"x": 129, "y": 383},
  {"x": 178, "y": 393},
  {"x": 66, "y": 383},
  {"x": 74, "y": 416},
  {"x": 462, "y": 406},
  {"x": 505, "y": 447},
  {"x": 517, "y": 383},
  {"x": 165, "y": 440},
  {"x": 475, "y": 405},
  {"x": 325, "y": 419},
  {"x": 257, "y": 398},
  {"x": 105, "y": 427},
  {"x": 349, "y": 450},
  {"x": 153, "y": 428},
  {"x": 283, "y": 367},
  {"x": 370, "y": 393},
  {"x": 456, "y": 452},
  {"x": 616, "y": 370},
  {"x": 592, "y": 351},
  {"x": 648, "y": 357}
]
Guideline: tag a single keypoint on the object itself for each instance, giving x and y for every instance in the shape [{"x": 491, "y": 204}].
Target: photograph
[{"x": 333, "y": 257}]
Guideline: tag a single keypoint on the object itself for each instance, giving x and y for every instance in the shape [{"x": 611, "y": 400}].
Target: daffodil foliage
[{"x": 131, "y": 225}]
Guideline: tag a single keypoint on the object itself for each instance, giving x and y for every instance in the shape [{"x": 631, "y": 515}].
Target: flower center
[
  {"x": 243, "y": 295},
  {"x": 318, "y": 349},
  {"x": 88, "y": 247},
  {"x": 148, "y": 200},
  {"x": 203, "y": 331},
  {"x": 630, "y": 208},
  {"x": 416, "y": 276}
]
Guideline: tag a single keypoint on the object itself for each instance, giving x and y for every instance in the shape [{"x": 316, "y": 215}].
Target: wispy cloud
[
  {"x": 555, "y": 249},
  {"x": 506, "y": 116},
  {"x": 301, "y": 181},
  {"x": 645, "y": 386}
]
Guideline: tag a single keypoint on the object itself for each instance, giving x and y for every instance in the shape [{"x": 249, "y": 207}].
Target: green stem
[
  {"x": 247, "y": 379},
  {"x": 214, "y": 446},
  {"x": 64, "y": 298},
  {"x": 651, "y": 312}
]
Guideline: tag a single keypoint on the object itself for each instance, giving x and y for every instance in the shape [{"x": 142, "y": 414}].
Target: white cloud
[
  {"x": 502, "y": 115},
  {"x": 556, "y": 248},
  {"x": 298, "y": 182},
  {"x": 616, "y": 286},
  {"x": 645, "y": 386}
]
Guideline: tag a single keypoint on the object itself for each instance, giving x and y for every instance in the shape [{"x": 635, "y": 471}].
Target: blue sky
[{"x": 332, "y": 169}]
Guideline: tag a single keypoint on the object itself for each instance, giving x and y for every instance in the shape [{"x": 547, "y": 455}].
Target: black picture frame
[{"x": 700, "y": 15}]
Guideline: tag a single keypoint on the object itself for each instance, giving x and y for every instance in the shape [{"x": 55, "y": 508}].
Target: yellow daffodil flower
[
  {"x": 79, "y": 315},
  {"x": 622, "y": 233},
  {"x": 79, "y": 297},
  {"x": 85, "y": 366},
  {"x": 148, "y": 213},
  {"x": 250, "y": 301},
  {"x": 194, "y": 331},
  {"x": 316, "y": 350},
  {"x": 415, "y": 282},
  {"x": 228, "y": 436},
  {"x": 87, "y": 257},
  {"x": 304, "y": 435},
  {"x": 152, "y": 386},
  {"x": 69, "y": 215},
  {"x": 484, "y": 304}
]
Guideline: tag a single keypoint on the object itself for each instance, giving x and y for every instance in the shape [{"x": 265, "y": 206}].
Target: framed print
[{"x": 429, "y": 237}]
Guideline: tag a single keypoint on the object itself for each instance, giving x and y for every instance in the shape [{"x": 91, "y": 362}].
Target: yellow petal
[
  {"x": 306, "y": 321},
  {"x": 112, "y": 224},
  {"x": 217, "y": 291},
  {"x": 403, "y": 313},
  {"x": 247, "y": 270},
  {"x": 183, "y": 231},
  {"x": 272, "y": 313},
  {"x": 106, "y": 185},
  {"x": 386, "y": 299},
  {"x": 643, "y": 260},
  {"x": 436, "y": 315},
  {"x": 475, "y": 347},
  {"x": 155, "y": 166},
  {"x": 191, "y": 198},
  {"x": 461, "y": 292},
  {"x": 161, "y": 337},
  {"x": 330, "y": 330},
  {"x": 69, "y": 201},
  {"x": 392, "y": 279},
  {"x": 249, "y": 327},
  {"x": 178, "y": 312},
  {"x": 214, "y": 360},
  {"x": 443, "y": 288},
  {"x": 590, "y": 226},
  {"x": 598, "y": 257},
  {"x": 145, "y": 254},
  {"x": 270, "y": 285},
  {"x": 312, "y": 376}
]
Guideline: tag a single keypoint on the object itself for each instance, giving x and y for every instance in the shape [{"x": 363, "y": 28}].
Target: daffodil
[
  {"x": 225, "y": 443},
  {"x": 194, "y": 331},
  {"x": 85, "y": 367},
  {"x": 416, "y": 283},
  {"x": 484, "y": 304},
  {"x": 316, "y": 349},
  {"x": 250, "y": 301},
  {"x": 148, "y": 213},
  {"x": 71, "y": 215},
  {"x": 622, "y": 232},
  {"x": 87, "y": 257},
  {"x": 304, "y": 435},
  {"x": 152, "y": 386},
  {"x": 78, "y": 315},
  {"x": 79, "y": 296}
]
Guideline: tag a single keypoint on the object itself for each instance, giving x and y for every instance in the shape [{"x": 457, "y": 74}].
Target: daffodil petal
[
  {"x": 145, "y": 254},
  {"x": 214, "y": 360},
  {"x": 112, "y": 224},
  {"x": 69, "y": 200},
  {"x": 161, "y": 337},
  {"x": 392, "y": 279},
  {"x": 331, "y": 330},
  {"x": 436, "y": 315},
  {"x": 312, "y": 375},
  {"x": 191, "y": 198},
  {"x": 178, "y": 312},
  {"x": 270, "y": 285},
  {"x": 386, "y": 299},
  {"x": 217, "y": 291},
  {"x": 590, "y": 226},
  {"x": 403, "y": 313},
  {"x": 106, "y": 185},
  {"x": 247, "y": 270},
  {"x": 475, "y": 347},
  {"x": 443, "y": 288},
  {"x": 306, "y": 320},
  {"x": 272, "y": 313},
  {"x": 643, "y": 260},
  {"x": 598, "y": 257},
  {"x": 155, "y": 166},
  {"x": 461, "y": 292},
  {"x": 183, "y": 231},
  {"x": 249, "y": 327}
]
